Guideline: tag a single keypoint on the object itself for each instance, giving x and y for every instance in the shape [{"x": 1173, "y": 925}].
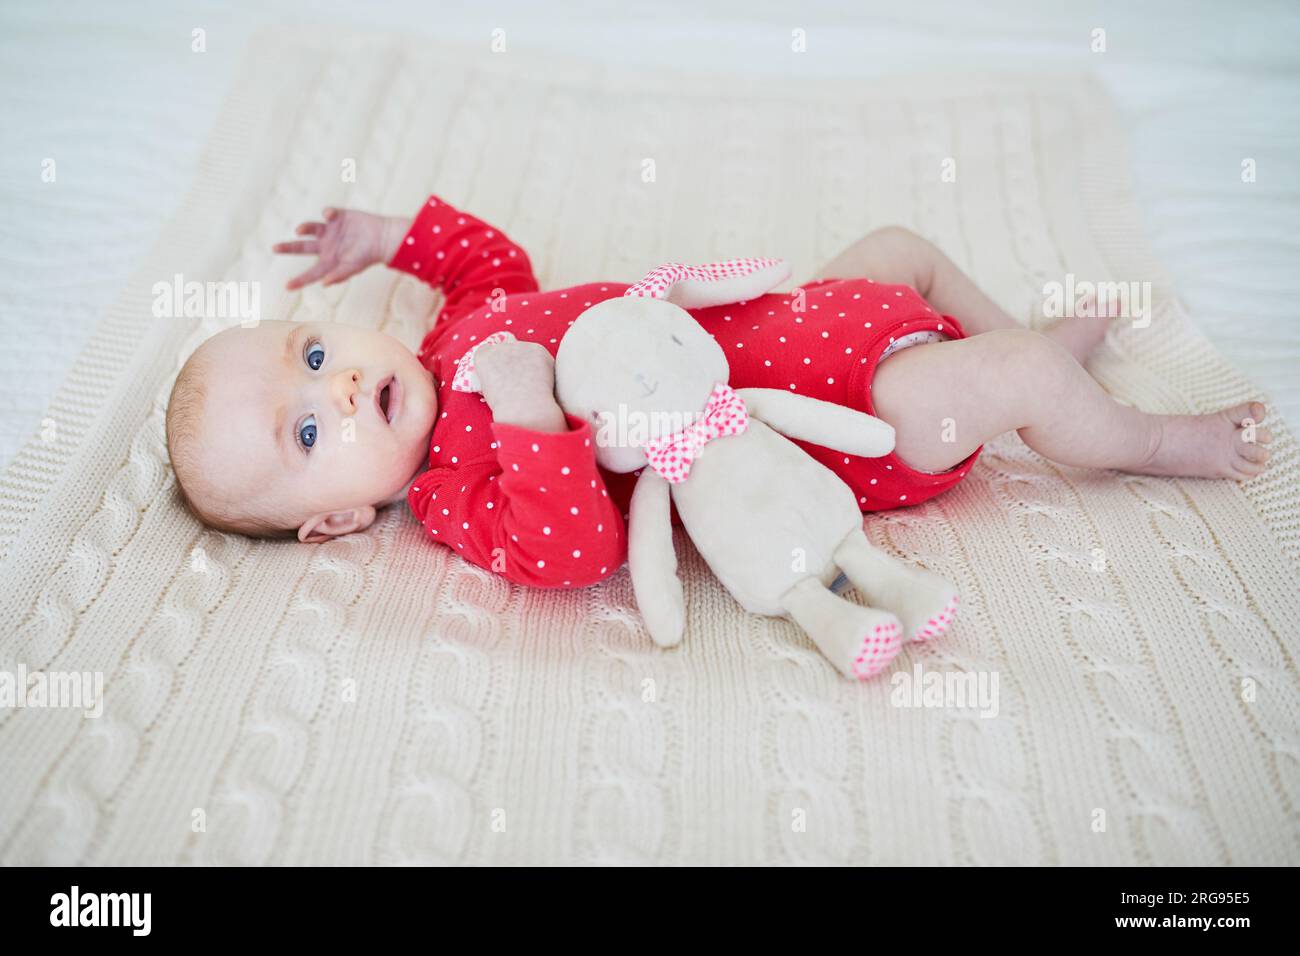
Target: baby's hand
[
  {"x": 518, "y": 381},
  {"x": 348, "y": 241}
]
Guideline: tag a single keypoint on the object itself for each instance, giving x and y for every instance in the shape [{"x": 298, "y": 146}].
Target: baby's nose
[{"x": 344, "y": 388}]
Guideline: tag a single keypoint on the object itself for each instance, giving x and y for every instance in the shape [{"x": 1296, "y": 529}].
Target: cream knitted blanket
[{"x": 376, "y": 700}]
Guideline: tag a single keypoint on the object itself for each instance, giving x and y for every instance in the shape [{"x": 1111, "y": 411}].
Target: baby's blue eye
[
  {"x": 307, "y": 431},
  {"x": 315, "y": 355}
]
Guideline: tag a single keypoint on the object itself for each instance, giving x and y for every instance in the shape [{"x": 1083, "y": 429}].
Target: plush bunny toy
[{"x": 775, "y": 525}]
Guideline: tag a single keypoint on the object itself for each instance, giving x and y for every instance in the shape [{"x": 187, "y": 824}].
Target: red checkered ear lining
[{"x": 659, "y": 282}]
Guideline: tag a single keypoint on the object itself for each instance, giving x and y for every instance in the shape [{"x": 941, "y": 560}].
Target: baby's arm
[
  {"x": 472, "y": 261},
  {"x": 537, "y": 511},
  {"x": 469, "y": 259}
]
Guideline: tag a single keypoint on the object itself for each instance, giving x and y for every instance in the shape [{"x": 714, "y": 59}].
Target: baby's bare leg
[
  {"x": 897, "y": 255},
  {"x": 947, "y": 398}
]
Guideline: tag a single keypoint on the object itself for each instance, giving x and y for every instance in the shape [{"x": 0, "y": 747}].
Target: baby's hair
[{"x": 184, "y": 417}]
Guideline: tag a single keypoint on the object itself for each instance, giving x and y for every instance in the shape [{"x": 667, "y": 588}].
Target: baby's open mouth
[{"x": 387, "y": 398}]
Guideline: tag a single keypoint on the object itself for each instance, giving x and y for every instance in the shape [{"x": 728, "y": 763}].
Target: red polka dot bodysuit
[{"x": 534, "y": 506}]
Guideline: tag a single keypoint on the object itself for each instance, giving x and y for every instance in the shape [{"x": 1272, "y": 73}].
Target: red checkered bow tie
[{"x": 673, "y": 455}]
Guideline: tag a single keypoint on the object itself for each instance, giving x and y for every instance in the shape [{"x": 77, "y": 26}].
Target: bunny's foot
[
  {"x": 859, "y": 641},
  {"x": 878, "y": 647},
  {"x": 925, "y": 602},
  {"x": 937, "y": 623}
]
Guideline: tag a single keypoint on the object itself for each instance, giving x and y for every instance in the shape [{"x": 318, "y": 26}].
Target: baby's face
[{"x": 315, "y": 417}]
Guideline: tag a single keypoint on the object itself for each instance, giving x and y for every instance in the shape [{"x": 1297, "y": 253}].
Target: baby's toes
[
  {"x": 1249, "y": 461},
  {"x": 1254, "y": 452},
  {"x": 1238, "y": 414}
]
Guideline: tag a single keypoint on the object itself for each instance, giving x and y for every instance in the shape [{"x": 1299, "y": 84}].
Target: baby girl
[{"x": 305, "y": 429}]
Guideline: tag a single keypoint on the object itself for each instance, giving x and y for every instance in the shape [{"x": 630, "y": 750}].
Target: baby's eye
[
  {"x": 307, "y": 432},
  {"x": 315, "y": 354}
]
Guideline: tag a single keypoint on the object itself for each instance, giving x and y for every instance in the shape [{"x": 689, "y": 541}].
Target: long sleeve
[
  {"x": 535, "y": 510},
  {"x": 466, "y": 257}
]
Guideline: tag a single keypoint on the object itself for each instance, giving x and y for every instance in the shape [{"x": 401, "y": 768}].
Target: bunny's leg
[
  {"x": 925, "y": 602},
  {"x": 859, "y": 641}
]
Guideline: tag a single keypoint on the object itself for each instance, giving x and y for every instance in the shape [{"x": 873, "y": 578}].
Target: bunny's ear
[{"x": 717, "y": 283}]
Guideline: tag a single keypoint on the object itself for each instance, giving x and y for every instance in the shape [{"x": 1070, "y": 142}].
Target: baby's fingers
[
  {"x": 308, "y": 277},
  {"x": 307, "y": 247},
  {"x": 338, "y": 274},
  {"x": 310, "y": 229}
]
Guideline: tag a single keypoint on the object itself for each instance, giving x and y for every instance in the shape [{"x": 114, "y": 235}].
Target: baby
[{"x": 305, "y": 429}]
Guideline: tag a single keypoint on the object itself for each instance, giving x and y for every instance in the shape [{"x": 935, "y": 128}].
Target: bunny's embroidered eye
[
  {"x": 314, "y": 353},
  {"x": 676, "y": 339},
  {"x": 307, "y": 432}
]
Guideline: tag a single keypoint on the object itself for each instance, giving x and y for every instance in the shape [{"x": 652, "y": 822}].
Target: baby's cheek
[
  {"x": 409, "y": 454},
  {"x": 284, "y": 496},
  {"x": 379, "y": 467},
  {"x": 339, "y": 476}
]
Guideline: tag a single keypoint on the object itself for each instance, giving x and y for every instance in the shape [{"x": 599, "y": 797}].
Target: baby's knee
[
  {"x": 895, "y": 254},
  {"x": 894, "y": 233},
  {"x": 898, "y": 240}
]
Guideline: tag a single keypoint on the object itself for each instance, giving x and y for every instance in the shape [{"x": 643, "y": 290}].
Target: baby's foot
[
  {"x": 1225, "y": 444},
  {"x": 1082, "y": 332}
]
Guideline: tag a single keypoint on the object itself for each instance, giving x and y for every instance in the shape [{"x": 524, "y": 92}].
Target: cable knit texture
[{"x": 378, "y": 700}]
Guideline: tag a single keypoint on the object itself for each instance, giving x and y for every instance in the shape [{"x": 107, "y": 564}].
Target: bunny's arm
[
  {"x": 652, "y": 561},
  {"x": 822, "y": 423}
]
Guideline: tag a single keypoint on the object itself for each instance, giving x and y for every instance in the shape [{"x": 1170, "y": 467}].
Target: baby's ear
[{"x": 330, "y": 524}]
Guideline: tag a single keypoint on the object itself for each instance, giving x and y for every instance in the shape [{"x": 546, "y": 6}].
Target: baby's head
[{"x": 298, "y": 429}]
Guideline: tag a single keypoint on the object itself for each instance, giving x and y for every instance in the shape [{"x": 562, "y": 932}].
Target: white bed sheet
[{"x": 122, "y": 105}]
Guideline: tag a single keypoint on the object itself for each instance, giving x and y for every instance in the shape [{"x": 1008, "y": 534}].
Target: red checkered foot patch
[
  {"x": 938, "y": 623},
  {"x": 879, "y": 647}
]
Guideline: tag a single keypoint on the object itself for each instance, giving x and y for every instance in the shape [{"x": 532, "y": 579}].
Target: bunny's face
[{"x": 637, "y": 369}]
